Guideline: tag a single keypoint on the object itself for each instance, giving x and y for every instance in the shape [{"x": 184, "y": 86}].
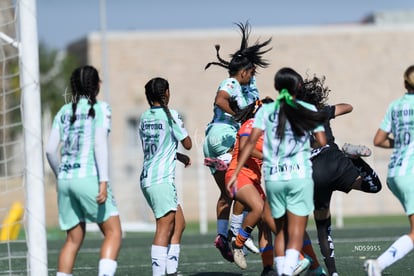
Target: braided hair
[
  {"x": 155, "y": 91},
  {"x": 290, "y": 84},
  {"x": 85, "y": 84},
  {"x": 246, "y": 57}
]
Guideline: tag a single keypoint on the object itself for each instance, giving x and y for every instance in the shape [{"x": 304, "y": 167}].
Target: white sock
[
  {"x": 222, "y": 226},
  {"x": 396, "y": 251},
  {"x": 107, "y": 267},
  {"x": 159, "y": 259},
  {"x": 280, "y": 262},
  {"x": 291, "y": 260},
  {"x": 172, "y": 258},
  {"x": 236, "y": 223},
  {"x": 62, "y": 274}
]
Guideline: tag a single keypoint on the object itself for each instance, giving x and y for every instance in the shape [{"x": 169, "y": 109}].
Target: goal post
[{"x": 32, "y": 133}]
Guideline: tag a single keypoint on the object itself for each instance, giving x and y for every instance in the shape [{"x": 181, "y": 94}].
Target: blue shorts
[
  {"x": 77, "y": 202},
  {"x": 220, "y": 139},
  {"x": 162, "y": 198},
  {"x": 295, "y": 196},
  {"x": 402, "y": 187}
]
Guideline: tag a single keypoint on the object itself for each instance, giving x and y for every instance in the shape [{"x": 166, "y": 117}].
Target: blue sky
[{"x": 61, "y": 22}]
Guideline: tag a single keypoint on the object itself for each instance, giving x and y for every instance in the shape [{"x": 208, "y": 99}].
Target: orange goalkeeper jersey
[{"x": 252, "y": 167}]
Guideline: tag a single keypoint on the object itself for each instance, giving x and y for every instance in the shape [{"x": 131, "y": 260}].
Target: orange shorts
[{"x": 243, "y": 180}]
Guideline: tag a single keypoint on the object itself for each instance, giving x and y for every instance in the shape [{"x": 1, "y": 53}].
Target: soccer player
[
  {"x": 235, "y": 92},
  {"x": 81, "y": 130},
  {"x": 286, "y": 126},
  {"x": 249, "y": 193},
  {"x": 334, "y": 169},
  {"x": 161, "y": 129},
  {"x": 396, "y": 131}
]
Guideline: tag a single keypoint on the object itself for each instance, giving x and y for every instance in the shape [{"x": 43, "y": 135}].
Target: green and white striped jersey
[
  {"x": 78, "y": 140},
  {"x": 159, "y": 137},
  {"x": 288, "y": 158},
  {"x": 243, "y": 95},
  {"x": 399, "y": 120}
]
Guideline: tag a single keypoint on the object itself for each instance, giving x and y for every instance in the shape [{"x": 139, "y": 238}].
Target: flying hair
[
  {"x": 314, "y": 91},
  {"x": 246, "y": 56}
]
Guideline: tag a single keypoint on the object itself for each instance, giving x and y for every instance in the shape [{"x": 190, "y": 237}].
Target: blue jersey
[
  {"x": 287, "y": 158},
  {"x": 399, "y": 120},
  {"x": 159, "y": 137}
]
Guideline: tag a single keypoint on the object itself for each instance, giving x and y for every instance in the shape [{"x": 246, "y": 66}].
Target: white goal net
[{"x": 23, "y": 249}]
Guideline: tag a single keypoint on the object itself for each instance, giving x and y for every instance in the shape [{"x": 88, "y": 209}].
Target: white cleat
[
  {"x": 302, "y": 266},
  {"x": 372, "y": 268},
  {"x": 249, "y": 244},
  {"x": 238, "y": 256}
]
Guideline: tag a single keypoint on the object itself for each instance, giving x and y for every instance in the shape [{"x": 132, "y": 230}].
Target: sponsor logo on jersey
[
  {"x": 152, "y": 126},
  {"x": 68, "y": 167}
]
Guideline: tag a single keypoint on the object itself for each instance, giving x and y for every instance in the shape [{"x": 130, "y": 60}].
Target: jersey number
[
  {"x": 149, "y": 150},
  {"x": 72, "y": 145},
  {"x": 403, "y": 139}
]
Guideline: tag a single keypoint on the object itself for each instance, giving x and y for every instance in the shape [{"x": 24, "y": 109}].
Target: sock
[
  {"x": 243, "y": 235},
  {"x": 62, "y": 274},
  {"x": 236, "y": 223},
  {"x": 107, "y": 267},
  {"x": 280, "y": 262},
  {"x": 172, "y": 258},
  {"x": 370, "y": 180},
  {"x": 159, "y": 259},
  {"x": 291, "y": 260},
  {"x": 326, "y": 243},
  {"x": 222, "y": 226},
  {"x": 396, "y": 251},
  {"x": 267, "y": 256},
  {"x": 309, "y": 253}
]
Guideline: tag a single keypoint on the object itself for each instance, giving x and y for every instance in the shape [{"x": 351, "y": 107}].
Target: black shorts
[{"x": 332, "y": 171}]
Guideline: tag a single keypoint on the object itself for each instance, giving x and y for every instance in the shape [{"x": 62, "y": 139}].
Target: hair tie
[
  {"x": 257, "y": 105},
  {"x": 285, "y": 95}
]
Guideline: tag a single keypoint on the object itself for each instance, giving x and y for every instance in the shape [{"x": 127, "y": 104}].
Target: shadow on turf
[{"x": 216, "y": 274}]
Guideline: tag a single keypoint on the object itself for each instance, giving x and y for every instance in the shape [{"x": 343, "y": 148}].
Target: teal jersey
[
  {"x": 288, "y": 158},
  {"x": 78, "y": 139},
  {"x": 243, "y": 95},
  {"x": 159, "y": 138},
  {"x": 250, "y": 90},
  {"x": 399, "y": 120}
]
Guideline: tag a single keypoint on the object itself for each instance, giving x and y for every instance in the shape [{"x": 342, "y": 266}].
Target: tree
[{"x": 56, "y": 67}]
